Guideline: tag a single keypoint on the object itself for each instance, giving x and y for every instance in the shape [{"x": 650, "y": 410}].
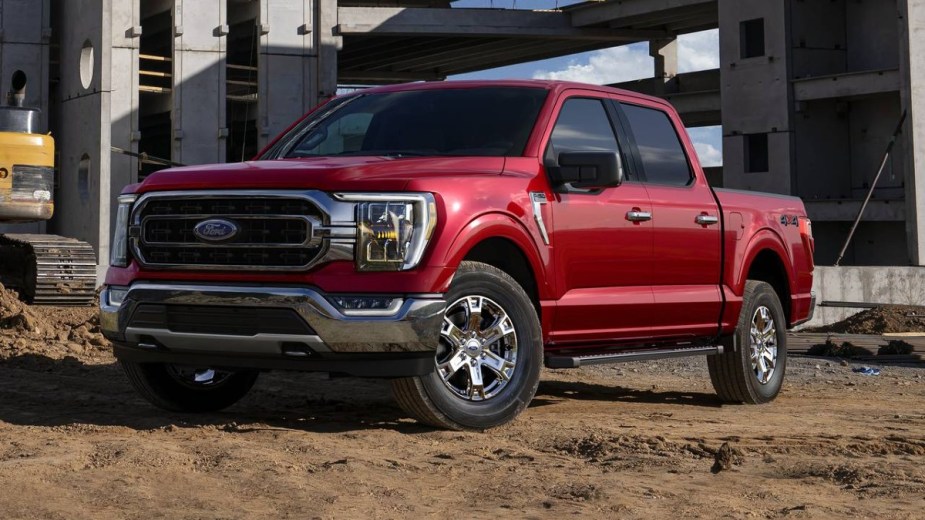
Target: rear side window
[
  {"x": 663, "y": 158},
  {"x": 583, "y": 126}
]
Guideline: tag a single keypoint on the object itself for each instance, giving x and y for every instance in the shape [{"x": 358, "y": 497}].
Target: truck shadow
[
  {"x": 39, "y": 391},
  {"x": 582, "y": 391}
]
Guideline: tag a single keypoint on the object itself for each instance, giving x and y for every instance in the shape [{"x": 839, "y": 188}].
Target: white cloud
[
  {"x": 696, "y": 51},
  {"x": 708, "y": 154},
  {"x": 613, "y": 65}
]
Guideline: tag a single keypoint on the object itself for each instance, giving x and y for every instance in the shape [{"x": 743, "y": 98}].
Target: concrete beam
[
  {"x": 375, "y": 77},
  {"x": 852, "y": 84},
  {"x": 471, "y": 23},
  {"x": 607, "y": 12},
  {"x": 694, "y": 102},
  {"x": 847, "y": 210}
]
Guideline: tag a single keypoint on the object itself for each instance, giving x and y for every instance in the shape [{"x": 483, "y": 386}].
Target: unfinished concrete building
[
  {"x": 808, "y": 91},
  {"x": 808, "y": 94}
]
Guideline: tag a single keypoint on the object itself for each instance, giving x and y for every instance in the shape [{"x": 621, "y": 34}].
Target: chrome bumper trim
[{"x": 413, "y": 327}]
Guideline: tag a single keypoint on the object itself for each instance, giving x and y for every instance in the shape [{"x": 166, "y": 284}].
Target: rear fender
[{"x": 765, "y": 239}]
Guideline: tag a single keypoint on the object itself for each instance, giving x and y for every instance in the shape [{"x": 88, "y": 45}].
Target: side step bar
[{"x": 558, "y": 362}]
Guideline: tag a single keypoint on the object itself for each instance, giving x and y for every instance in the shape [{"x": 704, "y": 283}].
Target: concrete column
[
  {"x": 665, "y": 53},
  {"x": 912, "y": 65},
  {"x": 83, "y": 138},
  {"x": 327, "y": 45},
  {"x": 199, "y": 81},
  {"x": 756, "y": 96},
  {"x": 126, "y": 39},
  {"x": 297, "y": 61}
]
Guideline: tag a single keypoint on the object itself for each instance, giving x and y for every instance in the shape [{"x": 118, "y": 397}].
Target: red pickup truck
[{"x": 455, "y": 237}]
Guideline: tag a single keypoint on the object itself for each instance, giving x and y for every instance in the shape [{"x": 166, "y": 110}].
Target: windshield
[{"x": 492, "y": 121}]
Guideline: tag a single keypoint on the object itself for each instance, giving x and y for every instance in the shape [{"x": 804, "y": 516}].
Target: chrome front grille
[{"x": 273, "y": 230}]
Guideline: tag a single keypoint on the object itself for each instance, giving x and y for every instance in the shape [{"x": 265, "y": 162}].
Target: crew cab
[{"x": 455, "y": 237}]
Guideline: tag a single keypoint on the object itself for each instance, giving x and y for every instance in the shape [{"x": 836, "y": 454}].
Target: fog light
[
  {"x": 366, "y": 305},
  {"x": 117, "y": 295}
]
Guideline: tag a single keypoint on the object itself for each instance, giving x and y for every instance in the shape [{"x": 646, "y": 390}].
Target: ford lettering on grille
[{"x": 215, "y": 230}]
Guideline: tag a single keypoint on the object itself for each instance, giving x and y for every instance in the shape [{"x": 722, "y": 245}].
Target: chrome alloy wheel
[
  {"x": 477, "y": 355},
  {"x": 197, "y": 377},
  {"x": 763, "y": 344}
]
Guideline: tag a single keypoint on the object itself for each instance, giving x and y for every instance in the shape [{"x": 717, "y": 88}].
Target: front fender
[{"x": 501, "y": 225}]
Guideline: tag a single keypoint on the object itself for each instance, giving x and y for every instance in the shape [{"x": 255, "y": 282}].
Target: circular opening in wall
[
  {"x": 19, "y": 80},
  {"x": 83, "y": 178},
  {"x": 86, "y": 64}
]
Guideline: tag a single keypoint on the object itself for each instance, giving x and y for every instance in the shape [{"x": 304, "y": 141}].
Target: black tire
[
  {"x": 162, "y": 386},
  {"x": 734, "y": 377},
  {"x": 433, "y": 401}
]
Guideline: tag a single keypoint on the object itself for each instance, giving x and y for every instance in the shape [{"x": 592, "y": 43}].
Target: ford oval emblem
[{"x": 215, "y": 230}]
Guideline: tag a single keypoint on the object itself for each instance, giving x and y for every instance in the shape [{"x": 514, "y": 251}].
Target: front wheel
[
  {"x": 181, "y": 388},
  {"x": 753, "y": 372},
  {"x": 487, "y": 365}
]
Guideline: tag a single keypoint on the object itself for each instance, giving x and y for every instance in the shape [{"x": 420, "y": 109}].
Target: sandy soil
[
  {"x": 626, "y": 441},
  {"x": 879, "y": 320}
]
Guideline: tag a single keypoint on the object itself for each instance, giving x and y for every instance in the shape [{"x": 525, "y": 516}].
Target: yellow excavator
[{"x": 44, "y": 269}]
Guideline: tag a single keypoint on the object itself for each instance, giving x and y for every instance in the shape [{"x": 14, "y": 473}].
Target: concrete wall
[
  {"x": 755, "y": 95},
  {"x": 83, "y": 112},
  {"x": 872, "y": 34},
  {"x": 896, "y": 285},
  {"x": 25, "y": 30}
]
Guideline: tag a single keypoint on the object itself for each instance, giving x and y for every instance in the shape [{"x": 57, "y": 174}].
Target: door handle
[
  {"x": 638, "y": 216},
  {"x": 706, "y": 220}
]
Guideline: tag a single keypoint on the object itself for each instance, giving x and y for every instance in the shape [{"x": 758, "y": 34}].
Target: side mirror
[{"x": 587, "y": 170}]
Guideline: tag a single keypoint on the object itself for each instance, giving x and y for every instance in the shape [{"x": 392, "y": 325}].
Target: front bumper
[{"x": 195, "y": 324}]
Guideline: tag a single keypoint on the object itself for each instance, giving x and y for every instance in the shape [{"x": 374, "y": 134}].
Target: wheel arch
[
  {"x": 767, "y": 265},
  {"x": 503, "y": 242}
]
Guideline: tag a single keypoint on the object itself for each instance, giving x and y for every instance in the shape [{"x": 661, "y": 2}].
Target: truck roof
[{"x": 552, "y": 85}]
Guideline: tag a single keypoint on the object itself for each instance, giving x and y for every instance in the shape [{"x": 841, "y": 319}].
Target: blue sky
[{"x": 696, "y": 51}]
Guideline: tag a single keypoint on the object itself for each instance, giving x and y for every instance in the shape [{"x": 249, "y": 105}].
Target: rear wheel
[
  {"x": 487, "y": 365},
  {"x": 181, "y": 388},
  {"x": 753, "y": 372}
]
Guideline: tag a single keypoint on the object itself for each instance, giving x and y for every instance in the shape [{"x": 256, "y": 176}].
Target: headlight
[
  {"x": 392, "y": 229},
  {"x": 118, "y": 250}
]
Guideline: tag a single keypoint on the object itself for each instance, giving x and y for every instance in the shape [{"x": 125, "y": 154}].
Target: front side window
[
  {"x": 663, "y": 157},
  {"x": 489, "y": 121},
  {"x": 582, "y": 126}
]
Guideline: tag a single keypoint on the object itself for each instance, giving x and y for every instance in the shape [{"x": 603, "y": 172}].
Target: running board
[{"x": 557, "y": 362}]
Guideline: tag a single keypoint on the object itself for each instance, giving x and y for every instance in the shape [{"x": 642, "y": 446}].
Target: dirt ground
[
  {"x": 880, "y": 320},
  {"x": 624, "y": 441}
]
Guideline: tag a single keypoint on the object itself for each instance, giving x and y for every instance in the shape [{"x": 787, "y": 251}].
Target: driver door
[{"x": 602, "y": 239}]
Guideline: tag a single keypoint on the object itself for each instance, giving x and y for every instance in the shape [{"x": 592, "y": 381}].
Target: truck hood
[{"x": 320, "y": 173}]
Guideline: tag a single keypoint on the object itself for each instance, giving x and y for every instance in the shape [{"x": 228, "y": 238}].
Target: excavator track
[{"x": 48, "y": 269}]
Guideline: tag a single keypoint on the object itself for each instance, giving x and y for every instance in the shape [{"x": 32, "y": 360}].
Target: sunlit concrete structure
[{"x": 807, "y": 92}]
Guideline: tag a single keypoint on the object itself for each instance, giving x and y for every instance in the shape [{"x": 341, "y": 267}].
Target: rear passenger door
[
  {"x": 601, "y": 239},
  {"x": 687, "y": 256}
]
